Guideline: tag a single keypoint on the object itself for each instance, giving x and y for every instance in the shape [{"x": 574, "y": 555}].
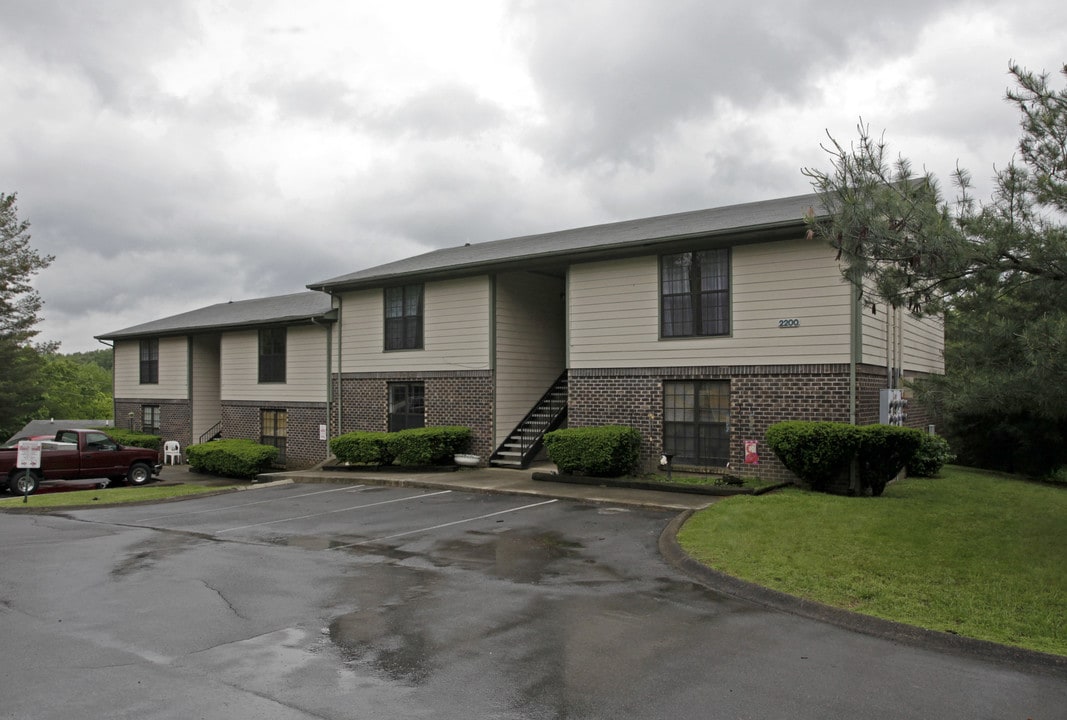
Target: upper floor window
[
  {"x": 272, "y": 355},
  {"x": 150, "y": 361},
  {"x": 403, "y": 317},
  {"x": 695, "y": 293}
]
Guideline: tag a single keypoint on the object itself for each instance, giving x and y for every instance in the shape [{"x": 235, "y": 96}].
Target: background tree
[
  {"x": 20, "y": 382},
  {"x": 75, "y": 389},
  {"x": 997, "y": 269}
]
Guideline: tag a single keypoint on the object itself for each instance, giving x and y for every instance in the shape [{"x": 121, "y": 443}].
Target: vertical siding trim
[
  {"x": 567, "y": 319},
  {"x": 492, "y": 358},
  {"x": 492, "y": 321}
]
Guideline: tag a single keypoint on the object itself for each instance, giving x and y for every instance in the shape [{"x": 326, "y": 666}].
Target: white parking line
[
  {"x": 331, "y": 512},
  {"x": 442, "y": 525},
  {"x": 256, "y": 502}
]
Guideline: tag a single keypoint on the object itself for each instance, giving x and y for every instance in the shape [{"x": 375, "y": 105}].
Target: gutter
[{"x": 732, "y": 236}]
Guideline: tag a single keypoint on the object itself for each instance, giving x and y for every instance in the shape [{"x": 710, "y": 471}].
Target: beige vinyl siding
[
  {"x": 923, "y": 339},
  {"x": 305, "y": 367},
  {"x": 455, "y": 329},
  {"x": 206, "y": 379},
  {"x": 530, "y": 339},
  {"x": 875, "y": 333},
  {"x": 173, "y": 370},
  {"x": 924, "y": 344},
  {"x": 613, "y": 309}
]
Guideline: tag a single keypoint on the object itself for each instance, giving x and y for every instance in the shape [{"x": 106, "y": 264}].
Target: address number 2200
[{"x": 792, "y": 322}]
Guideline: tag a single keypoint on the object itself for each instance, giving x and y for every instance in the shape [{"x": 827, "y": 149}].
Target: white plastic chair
[{"x": 172, "y": 450}]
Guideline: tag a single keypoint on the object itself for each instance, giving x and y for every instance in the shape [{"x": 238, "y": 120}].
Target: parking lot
[{"x": 341, "y": 601}]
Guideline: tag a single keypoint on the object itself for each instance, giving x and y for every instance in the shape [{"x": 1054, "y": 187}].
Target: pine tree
[
  {"x": 997, "y": 269},
  {"x": 20, "y": 303}
]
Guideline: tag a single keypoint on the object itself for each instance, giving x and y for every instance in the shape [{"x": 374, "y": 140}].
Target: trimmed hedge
[
  {"x": 884, "y": 452},
  {"x": 132, "y": 438},
  {"x": 362, "y": 448},
  {"x": 816, "y": 452},
  {"x": 232, "y": 458},
  {"x": 933, "y": 454},
  {"x": 820, "y": 453},
  {"x": 607, "y": 451},
  {"x": 428, "y": 446},
  {"x": 416, "y": 446}
]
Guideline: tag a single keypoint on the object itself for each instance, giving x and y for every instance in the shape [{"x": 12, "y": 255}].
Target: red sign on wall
[{"x": 751, "y": 455}]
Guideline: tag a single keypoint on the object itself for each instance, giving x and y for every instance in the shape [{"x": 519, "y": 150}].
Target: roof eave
[
  {"x": 767, "y": 232},
  {"x": 328, "y": 317}
]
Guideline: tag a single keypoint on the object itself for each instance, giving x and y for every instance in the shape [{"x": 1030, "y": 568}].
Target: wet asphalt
[{"x": 394, "y": 599}]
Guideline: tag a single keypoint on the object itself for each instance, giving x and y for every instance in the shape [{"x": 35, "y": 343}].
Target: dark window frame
[
  {"x": 149, "y": 358},
  {"x": 276, "y": 421},
  {"x": 153, "y": 427},
  {"x": 696, "y": 422},
  {"x": 406, "y": 402},
  {"x": 273, "y": 343},
  {"x": 402, "y": 316},
  {"x": 695, "y": 293}
]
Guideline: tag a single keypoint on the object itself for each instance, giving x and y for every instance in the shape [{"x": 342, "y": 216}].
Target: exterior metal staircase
[
  {"x": 526, "y": 439},
  {"x": 213, "y": 434}
]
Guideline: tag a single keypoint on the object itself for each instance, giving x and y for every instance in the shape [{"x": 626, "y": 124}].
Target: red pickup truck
[{"x": 80, "y": 455}]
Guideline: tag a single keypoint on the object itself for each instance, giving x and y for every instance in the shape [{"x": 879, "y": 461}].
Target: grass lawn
[
  {"x": 970, "y": 552},
  {"x": 109, "y": 496}
]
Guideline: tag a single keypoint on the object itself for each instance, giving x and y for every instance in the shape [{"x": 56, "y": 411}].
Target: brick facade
[
  {"x": 759, "y": 397},
  {"x": 175, "y": 417},
  {"x": 303, "y": 448},
  {"x": 452, "y": 398}
]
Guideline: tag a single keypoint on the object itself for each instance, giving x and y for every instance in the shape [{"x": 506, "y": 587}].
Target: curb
[
  {"x": 714, "y": 490},
  {"x": 935, "y": 640}
]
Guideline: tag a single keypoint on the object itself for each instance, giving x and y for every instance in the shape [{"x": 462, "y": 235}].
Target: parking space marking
[
  {"x": 256, "y": 502},
  {"x": 443, "y": 525},
  {"x": 331, "y": 512}
]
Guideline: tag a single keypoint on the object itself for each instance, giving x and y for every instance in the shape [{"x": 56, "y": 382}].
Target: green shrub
[
  {"x": 819, "y": 453},
  {"x": 816, "y": 452},
  {"x": 933, "y": 454},
  {"x": 132, "y": 438},
  {"x": 883, "y": 452},
  {"x": 427, "y": 446},
  {"x": 607, "y": 451},
  {"x": 232, "y": 458},
  {"x": 362, "y": 448}
]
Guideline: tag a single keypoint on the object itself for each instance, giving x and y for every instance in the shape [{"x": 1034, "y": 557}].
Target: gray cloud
[
  {"x": 617, "y": 78},
  {"x": 165, "y": 177}
]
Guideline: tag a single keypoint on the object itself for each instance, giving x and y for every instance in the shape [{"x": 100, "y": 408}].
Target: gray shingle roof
[
  {"x": 723, "y": 221},
  {"x": 51, "y": 427},
  {"x": 261, "y": 311}
]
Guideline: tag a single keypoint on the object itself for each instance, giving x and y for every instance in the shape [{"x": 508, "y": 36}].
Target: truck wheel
[
  {"x": 139, "y": 474},
  {"x": 24, "y": 483}
]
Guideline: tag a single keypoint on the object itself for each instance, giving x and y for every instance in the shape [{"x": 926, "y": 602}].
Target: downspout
[
  {"x": 493, "y": 372},
  {"x": 336, "y": 301},
  {"x": 329, "y": 379},
  {"x": 855, "y": 347},
  {"x": 112, "y": 346}
]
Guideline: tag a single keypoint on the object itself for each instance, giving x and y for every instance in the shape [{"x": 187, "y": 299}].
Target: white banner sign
[{"x": 29, "y": 454}]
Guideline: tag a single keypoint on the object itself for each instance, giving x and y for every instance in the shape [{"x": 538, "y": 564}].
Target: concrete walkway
[{"x": 484, "y": 480}]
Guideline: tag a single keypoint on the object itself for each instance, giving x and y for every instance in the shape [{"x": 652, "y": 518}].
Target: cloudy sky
[{"x": 172, "y": 154}]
